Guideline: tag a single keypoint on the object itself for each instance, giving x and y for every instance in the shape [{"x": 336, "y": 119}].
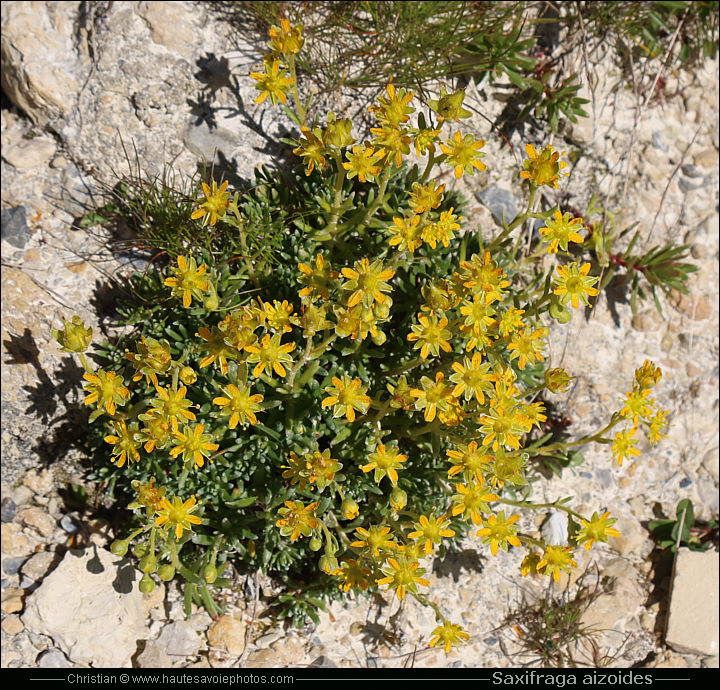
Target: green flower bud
[
  {"x": 148, "y": 564},
  {"x": 74, "y": 337},
  {"x": 147, "y": 584},
  {"x": 119, "y": 548},
  {"x": 188, "y": 376},
  {"x": 398, "y": 498},
  {"x": 380, "y": 338},
  {"x": 139, "y": 550},
  {"x": 450, "y": 105},
  {"x": 166, "y": 572},
  {"x": 557, "y": 380},
  {"x": 315, "y": 544},
  {"x": 337, "y": 133},
  {"x": 209, "y": 573},
  {"x": 211, "y": 301},
  {"x": 559, "y": 312},
  {"x": 329, "y": 564},
  {"x": 349, "y": 509}
]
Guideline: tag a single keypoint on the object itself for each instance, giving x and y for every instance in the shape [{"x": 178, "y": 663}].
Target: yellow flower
[
  {"x": 157, "y": 431},
  {"x": 392, "y": 142},
  {"x": 526, "y": 346},
  {"x": 624, "y": 446},
  {"x": 148, "y": 496},
  {"x": 216, "y": 347},
  {"x": 472, "y": 500},
  {"x": 656, "y": 427},
  {"x": 177, "y": 515},
  {"x": 217, "y": 202},
  {"x": 240, "y": 404},
  {"x": 542, "y": 169},
  {"x": 367, "y": 282},
  {"x": 385, "y": 460},
  {"x": 187, "y": 281},
  {"x": 598, "y": 528},
  {"x": 318, "y": 281},
  {"x": 441, "y": 230},
  {"x": 403, "y": 576},
  {"x": 362, "y": 162},
  {"x": 470, "y": 460},
  {"x": 106, "y": 389},
  {"x": 125, "y": 446},
  {"x": 425, "y": 140},
  {"x": 499, "y": 532},
  {"x": 394, "y": 109},
  {"x": 272, "y": 83},
  {"x": 463, "y": 154},
  {"x": 506, "y": 469},
  {"x": 270, "y": 355},
  {"x": 557, "y": 380},
  {"x": 297, "y": 519},
  {"x": 193, "y": 444},
  {"x": 502, "y": 428},
  {"x": 74, "y": 337},
  {"x": 472, "y": 378},
  {"x": 485, "y": 277},
  {"x": 637, "y": 405},
  {"x": 281, "y": 316},
  {"x": 170, "y": 404},
  {"x": 425, "y": 197},
  {"x": 433, "y": 396},
  {"x": 152, "y": 358},
  {"x": 647, "y": 375},
  {"x": 529, "y": 566},
  {"x": 311, "y": 148},
  {"x": 353, "y": 575},
  {"x": 556, "y": 559},
  {"x": 450, "y": 105},
  {"x": 448, "y": 634},
  {"x": 346, "y": 396},
  {"x": 561, "y": 230},
  {"x": 510, "y": 321},
  {"x": 575, "y": 285},
  {"x": 431, "y": 335},
  {"x": 374, "y": 539},
  {"x": 405, "y": 233},
  {"x": 285, "y": 40},
  {"x": 431, "y": 531}
]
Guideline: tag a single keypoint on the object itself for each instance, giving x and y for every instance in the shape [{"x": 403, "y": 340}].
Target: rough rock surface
[{"x": 169, "y": 80}]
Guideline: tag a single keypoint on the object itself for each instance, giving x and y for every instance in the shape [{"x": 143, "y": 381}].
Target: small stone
[
  {"x": 59, "y": 162},
  {"x": 659, "y": 143},
  {"x": 691, "y": 171},
  {"x": 500, "y": 202},
  {"x": 693, "y": 370},
  {"x": 12, "y": 625},
  {"x": 228, "y": 632},
  {"x": 154, "y": 599},
  {"x": 179, "y": 639},
  {"x": 38, "y": 566},
  {"x": 40, "y": 483},
  {"x": 631, "y": 538},
  {"x": 323, "y": 662},
  {"x": 153, "y": 656},
  {"x": 667, "y": 344},
  {"x": 695, "y": 307},
  {"x": 52, "y": 658},
  {"x": 11, "y": 566},
  {"x": 14, "y": 542},
  {"x": 357, "y": 629},
  {"x": 29, "y": 153},
  {"x": 22, "y": 495},
  {"x": 288, "y": 651},
  {"x": 698, "y": 251},
  {"x": 37, "y": 519},
  {"x": 69, "y": 524},
  {"x": 692, "y": 624},
  {"x": 14, "y": 227},
  {"x": 261, "y": 658},
  {"x": 686, "y": 185},
  {"x": 707, "y": 158},
  {"x": 76, "y": 266},
  {"x": 646, "y": 321},
  {"x": 12, "y": 600},
  {"x": 8, "y": 508},
  {"x": 711, "y": 462}
]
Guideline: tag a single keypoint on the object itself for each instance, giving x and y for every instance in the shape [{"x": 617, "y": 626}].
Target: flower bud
[
  {"x": 74, "y": 337},
  {"x": 147, "y": 584},
  {"x": 119, "y": 548},
  {"x": 188, "y": 376},
  {"x": 560, "y": 313},
  {"x": 329, "y": 564},
  {"x": 315, "y": 544},
  {"x": 349, "y": 509},
  {"x": 380, "y": 338},
  {"x": 209, "y": 573},
  {"x": 557, "y": 380},
  {"x": 211, "y": 301},
  {"x": 398, "y": 498},
  {"x": 148, "y": 564},
  {"x": 166, "y": 572},
  {"x": 139, "y": 550},
  {"x": 337, "y": 133}
]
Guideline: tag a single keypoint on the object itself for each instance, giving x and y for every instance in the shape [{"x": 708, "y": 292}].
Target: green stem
[
  {"x": 85, "y": 363},
  {"x": 291, "y": 378},
  {"x": 518, "y": 220},
  {"x": 302, "y": 115},
  {"x": 370, "y": 211},
  {"x": 534, "y": 506},
  {"x": 337, "y": 201},
  {"x": 428, "y": 167}
]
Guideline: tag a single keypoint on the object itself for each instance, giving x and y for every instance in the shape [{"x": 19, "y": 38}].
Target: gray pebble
[
  {"x": 69, "y": 524},
  {"x": 659, "y": 143},
  {"x": 11, "y": 566},
  {"x": 687, "y": 186},
  {"x": 685, "y": 483},
  {"x": 691, "y": 170},
  {"x": 7, "y": 509},
  {"x": 500, "y": 202},
  {"x": 14, "y": 227},
  {"x": 4, "y": 583},
  {"x": 52, "y": 658}
]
